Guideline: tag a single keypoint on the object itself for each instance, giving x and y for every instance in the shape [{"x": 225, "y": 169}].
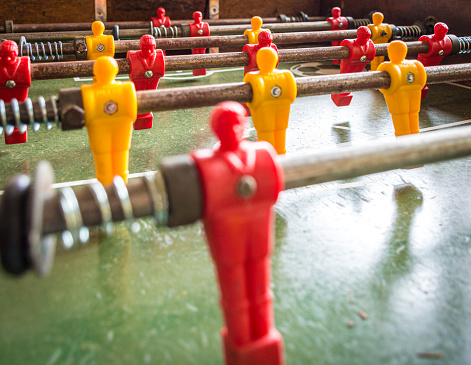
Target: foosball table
[{"x": 158, "y": 207}]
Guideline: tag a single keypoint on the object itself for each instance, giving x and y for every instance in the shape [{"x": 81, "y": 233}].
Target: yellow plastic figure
[
  {"x": 99, "y": 45},
  {"x": 380, "y": 33},
  {"x": 403, "y": 97},
  {"x": 252, "y": 34},
  {"x": 273, "y": 93},
  {"x": 110, "y": 110}
]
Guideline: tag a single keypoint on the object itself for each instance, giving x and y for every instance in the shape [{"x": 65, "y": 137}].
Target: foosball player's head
[
  {"x": 105, "y": 70},
  {"x": 265, "y": 38},
  {"x": 8, "y": 52},
  {"x": 197, "y": 17},
  {"x": 98, "y": 28},
  {"x": 336, "y": 12},
  {"x": 377, "y": 18},
  {"x": 397, "y": 51},
  {"x": 267, "y": 58},
  {"x": 160, "y": 12},
  {"x": 440, "y": 30},
  {"x": 229, "y": 123},
  {"x": 363, "y": 35},
  {"x": 147, "y": 45},
  {"x": 256, "y": 22}
]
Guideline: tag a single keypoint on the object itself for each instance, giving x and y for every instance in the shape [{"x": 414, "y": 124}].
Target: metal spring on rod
[
  {"x": 411, "y": 32},
  {"x": 31, "y": 117},
  {"x": 73, "y": 219},
  {"x": 42, "y": 51},
  {"x": 465, "y": 45},
  {"x": 70, "y": 207},
  {"x": 361, "y": 22},
  {"x": 162, "y": 32}
]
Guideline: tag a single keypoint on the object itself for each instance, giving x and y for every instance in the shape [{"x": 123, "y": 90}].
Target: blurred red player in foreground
[{"x": 241, "y": 181}]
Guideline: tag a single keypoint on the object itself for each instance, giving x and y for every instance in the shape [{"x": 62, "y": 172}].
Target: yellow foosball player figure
[
  {"x": 273, "y": 93},
  {"x": 110, "y": 110},
  {"x": 252, "y": 34},
  {"x": 380, "y": 33},
  {"x": 98, "y": 44},
  {"x": 403, "y": 97}
]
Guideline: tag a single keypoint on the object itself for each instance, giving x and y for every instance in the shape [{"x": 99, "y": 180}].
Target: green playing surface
[{"x": 373, "y": 270}]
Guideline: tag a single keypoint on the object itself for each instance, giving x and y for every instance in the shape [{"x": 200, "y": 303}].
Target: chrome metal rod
[{"x": 377, "y": 156}]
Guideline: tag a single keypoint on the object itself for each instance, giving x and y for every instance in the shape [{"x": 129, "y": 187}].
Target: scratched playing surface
[{"x": 373, "y": 270}]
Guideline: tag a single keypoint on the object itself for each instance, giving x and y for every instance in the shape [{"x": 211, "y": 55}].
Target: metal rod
[
  {"x": 58, "y": 70},
  {"x": 238, "y": 41},
  {"x": 208, "y": 95},
  {"x": 58, "y": 27},
  {"x": 377, "y": 156},
  {"x": 315, "y": 168},
  {"x": 137, "y": 33},
  {"x": 225, "y": 42}
]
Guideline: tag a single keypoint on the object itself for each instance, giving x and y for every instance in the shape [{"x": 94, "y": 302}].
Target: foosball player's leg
[
  {"x": 424, "y": 92},
  {"x": 263, "y": 119},
  {"x": 144, "y": 121},
  {"x": 376, "y": 62},
  {"x": 404, "y": 107},
  {"x": 120, "y": 163},
  {"x": 342, "y": 99},
  {"x": 281, "y": 125},
  {"x": 16, "y": 136}
]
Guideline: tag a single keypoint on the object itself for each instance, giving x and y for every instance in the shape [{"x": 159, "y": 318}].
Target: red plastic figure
[
  {"x": 439, "y": 46},
  {"x": 238, "y": 220},
  {"x": 361, "y": 51},
  {"x": 199, "y": 29},
  {"x": 15, "y": 80},
  {"x": 147, "y": 66},
  {"x": 265, "y": 39},
  {"x": 161, "y": 19},
  {"x": 337, "y": 22}
]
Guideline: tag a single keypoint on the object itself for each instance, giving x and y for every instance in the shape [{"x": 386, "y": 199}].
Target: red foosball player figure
[
  {"x": 273, "y": 93},
  {"x": 15, "y": 81},
  {"x": 161, "y": 19},
  {"x": 380, "y": 33},
  {"x": 337, "y": 22},
  {"x": 361, "y": 51},
  {"x": 439, "y": 46},
  {"x": 147, "y": 66},
  {"x": 238, "y": 221},
  {"x": 98, "y": 44},
  {"x": 199, "y": 29},
  {"x": 265, "y": 39},
  {"x": 252, "y": 34},
  {"x": 403, "y": 97},
  {"x": 110, "y": 110}
]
